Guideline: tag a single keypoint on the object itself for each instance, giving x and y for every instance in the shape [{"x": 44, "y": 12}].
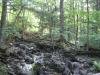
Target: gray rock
[
  {"x": 83, "y": 72},
  {"x": 39, "y": 58},
  {"x": 28, "y": 59},
  {"x": 97, "y": 74}
]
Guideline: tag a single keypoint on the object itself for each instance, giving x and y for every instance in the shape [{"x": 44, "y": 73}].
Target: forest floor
[{"x": 43, "y": 58}]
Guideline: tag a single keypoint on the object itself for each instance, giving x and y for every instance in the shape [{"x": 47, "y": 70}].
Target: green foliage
[
  {"x": 35, "y": 68},
  {"x": 67, "y": 34},
  {"x": 40, "y": 15},
  {"x": 94, "y": 40},
  {"x": 96, "y": 65},
  {"x": 10, "y": 32},
  {"x": 3, "y": 69}
]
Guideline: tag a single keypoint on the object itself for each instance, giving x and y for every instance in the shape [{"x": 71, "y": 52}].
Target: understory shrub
[{"x": 94, "y": 40}]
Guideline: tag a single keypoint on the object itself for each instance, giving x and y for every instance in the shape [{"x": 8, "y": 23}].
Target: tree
[
  {"x": 3, "y": 18},
  {"x": 87, "y": 1},
  {"x": 97, "y": 7},
  {"x": 61, "y": 20}
]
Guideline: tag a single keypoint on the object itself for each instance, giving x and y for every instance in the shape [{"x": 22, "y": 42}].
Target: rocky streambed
[{"x": 29, "y": 59}]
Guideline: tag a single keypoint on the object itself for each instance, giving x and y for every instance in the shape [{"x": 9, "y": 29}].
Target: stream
[{"x": 29, "y": 59}]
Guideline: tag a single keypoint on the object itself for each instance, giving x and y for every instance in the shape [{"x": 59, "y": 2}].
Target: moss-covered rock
[{"x": 3, "y": 48}]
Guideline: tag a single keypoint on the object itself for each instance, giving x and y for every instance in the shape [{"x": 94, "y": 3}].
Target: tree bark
[
  {"x": 61, "y": 16},
  {"x": 88, "y": 24},
  {"x": 3, "y": 18},
  {"x": 97, "y": 7},
  {"x": 61, "y": 19}
]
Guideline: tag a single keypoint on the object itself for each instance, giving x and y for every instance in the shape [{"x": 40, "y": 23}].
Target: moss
[
  {"x": 3, "y": 69},
  {"x": 3, "y": 48},
  {"x": 35, "y": 69}
]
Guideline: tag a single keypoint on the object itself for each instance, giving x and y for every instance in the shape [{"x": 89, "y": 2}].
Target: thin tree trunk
[
  {"x": 97, "y": 7},
  {"x": 16, "y": 17},
  {"x": 3, "y": 18},
  {"x": 87, "y": 24},
  {"x": 62, "y": 19},
  {"x": 76, "y": 40}
]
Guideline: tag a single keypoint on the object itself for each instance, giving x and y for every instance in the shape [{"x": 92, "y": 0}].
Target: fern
[{"x": 97, "y": 65}]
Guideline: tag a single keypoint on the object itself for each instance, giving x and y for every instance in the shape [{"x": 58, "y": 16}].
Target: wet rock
[
  {"x": 43, "y": 71},
  {"x": 76, "y": 65},
  {"x": 38, "y": 58},
  {"x": 19, "y": 68},
  {"x": 57, "y": 63},
  {"x": 76, "y": 71},
  {"x": 86, "y": 65},
  {"x": 83, "y": 72},
  {"x": 11, "y": 70},
  {"x": 66, "y": 71},
  {"x": 23, "y": 46},
  {"x": 29, "y": 60},
  {"x": 23, "y": 59},
  {"x": 27, "y": 69},
  {"x": 12, "y": 50},
  {"x": 68, "y": 64},
  {"x": 90, "y": 73},
  {"x": 32, "y": 46},
  {"x": 97, "y": 74}
]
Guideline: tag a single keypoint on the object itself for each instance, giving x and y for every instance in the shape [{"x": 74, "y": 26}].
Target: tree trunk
[
  {"x": 3, "y": 18},
  {"x": 97, "y": 7},
  {"x": 87, "y": 24},
  {"x": 76, "y": 39},
  {"x": 61, "y": 20}
]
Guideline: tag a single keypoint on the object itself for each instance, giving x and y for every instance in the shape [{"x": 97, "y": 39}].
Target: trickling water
[
  {"x": 27, "y": 69},
  {"x": 49, "y": 64},
  {"x": 39, "y": 58}
]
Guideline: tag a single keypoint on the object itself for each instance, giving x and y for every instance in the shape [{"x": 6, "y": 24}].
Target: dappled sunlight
[{"x": 50, "y": 37}]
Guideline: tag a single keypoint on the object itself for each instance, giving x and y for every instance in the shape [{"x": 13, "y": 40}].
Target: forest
[{"x": 49, "y": 37}]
